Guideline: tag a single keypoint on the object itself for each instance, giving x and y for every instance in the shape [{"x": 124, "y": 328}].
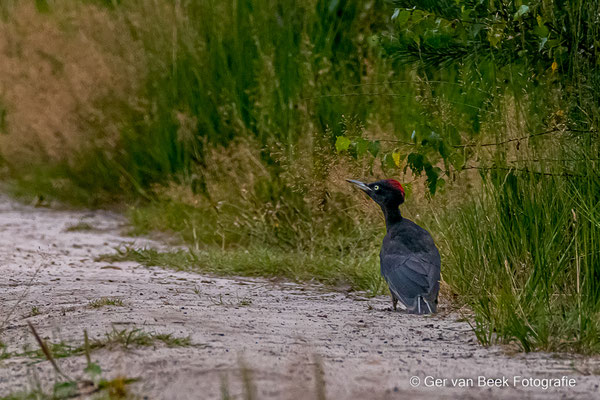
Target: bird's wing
[{"x": 409, "y": 275}]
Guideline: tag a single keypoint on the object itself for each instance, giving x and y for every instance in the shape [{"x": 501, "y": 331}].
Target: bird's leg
[
  {"x": 428, "y": 306},
  {"x": 394, "y": 302}
]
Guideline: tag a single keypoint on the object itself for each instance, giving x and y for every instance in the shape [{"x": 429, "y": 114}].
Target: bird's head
[{"x": 386, "y": 193}]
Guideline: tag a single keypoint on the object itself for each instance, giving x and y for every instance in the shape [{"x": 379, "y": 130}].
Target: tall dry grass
[{"x": 54, "y": 70}]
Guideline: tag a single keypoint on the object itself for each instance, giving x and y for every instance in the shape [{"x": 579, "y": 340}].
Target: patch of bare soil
[{"x": 49, "y": 277}]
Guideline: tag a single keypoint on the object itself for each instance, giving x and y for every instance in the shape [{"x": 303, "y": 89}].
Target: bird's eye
[{"x": 376, "y": 187}]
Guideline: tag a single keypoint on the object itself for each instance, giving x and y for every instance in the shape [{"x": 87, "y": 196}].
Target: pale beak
[{"x": 360, "y": 185}]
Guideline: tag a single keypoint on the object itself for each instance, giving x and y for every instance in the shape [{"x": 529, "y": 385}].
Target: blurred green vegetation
[
  {"x": 523, "y": 253},
  {"x": 248, "y": 114}
]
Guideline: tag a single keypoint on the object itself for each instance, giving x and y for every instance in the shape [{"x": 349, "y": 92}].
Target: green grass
[
  {"x": 117, "y": 338},
  {"x": 35, "y": 311},
  {"x": 35, "y": 394},
  {"x": 271, "y": 79},
  {"x": 264, "y": 229},
  {"x": 3, "y": 351},
  {"x": 113, "y": 389},
  {"x": 524, "y": 255},
  {"x": 79, "y": 227},
  {"x": 93, "y": 384},
  {"x": 106, "y": 301},
  {"x": 359, "y": 272},
  {"x": 38, "y": 185}
]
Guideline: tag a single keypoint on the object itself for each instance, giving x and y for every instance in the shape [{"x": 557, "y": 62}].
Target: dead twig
[
  {"x": 47, "y": 352},
  {"x": 461, "y": 146}
]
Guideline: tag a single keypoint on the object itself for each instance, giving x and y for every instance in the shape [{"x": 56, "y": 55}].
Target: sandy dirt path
[{"x": 275, "y": 328}]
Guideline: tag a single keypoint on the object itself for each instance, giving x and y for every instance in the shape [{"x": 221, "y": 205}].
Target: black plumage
[{"x": 410, "y": 261}]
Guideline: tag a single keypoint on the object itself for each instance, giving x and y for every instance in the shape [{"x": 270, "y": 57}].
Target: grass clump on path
[
  {"x": 79, "y": 227},
  {"x": 65, "y": 387},
  {"x": 120, "y": 338},
  {"x": 353, "y": 271},
  {"x": 106, "y": 301}
]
